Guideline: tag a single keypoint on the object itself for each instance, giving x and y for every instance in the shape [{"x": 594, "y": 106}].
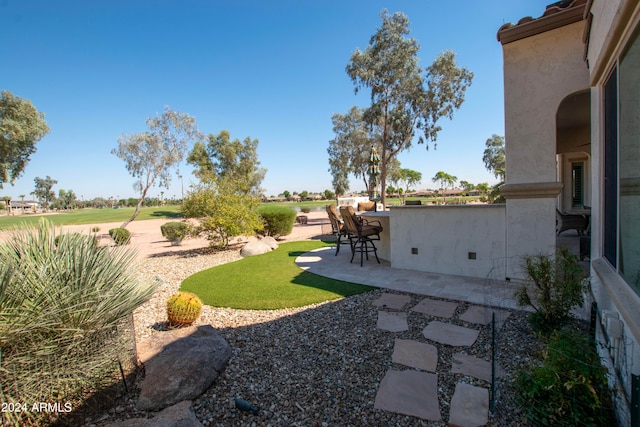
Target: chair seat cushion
[{"x": 368, "y": 230}]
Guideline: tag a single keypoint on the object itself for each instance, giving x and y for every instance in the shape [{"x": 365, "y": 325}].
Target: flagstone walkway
[
  {"x": 415, "y": 391},
  {"x": 410, "y": 387}
]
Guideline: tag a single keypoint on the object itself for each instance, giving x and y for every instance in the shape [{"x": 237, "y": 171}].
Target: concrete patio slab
[
  {"x": 410, "y": 393},
  {"x": 453, "y": 335},
  {"x": 458, "y": 288},
  {"x": 483, "y": 315},
  {"x": 415, "y": 354},
  {"x": 472, "y": 366},
  {"x": 392, "y": 301},
  {"x": 469, "y": 406},
  {"x": 437, "y": 308},
  {"x": 392, "y": 322}
]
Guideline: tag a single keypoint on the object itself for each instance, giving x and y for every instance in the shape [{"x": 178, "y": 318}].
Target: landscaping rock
[
  {"x": 180, "y": 365},
  {"x": 271, "y": 242},
  {"x": 255, "y": 247},
  {"x": 178, "y": 415}
]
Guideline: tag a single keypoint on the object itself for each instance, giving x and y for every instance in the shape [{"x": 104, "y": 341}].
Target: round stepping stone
[
  {"x": 412, "y": 393},
  {"x": 469, "y": 406},
  {"x": 453, "y": 335},
  {"x": 415, "y": 354}
]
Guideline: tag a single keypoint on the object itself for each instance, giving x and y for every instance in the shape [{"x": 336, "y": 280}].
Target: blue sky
[{"x": 271, "y": 70}]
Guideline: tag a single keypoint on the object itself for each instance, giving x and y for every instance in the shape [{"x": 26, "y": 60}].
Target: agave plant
[{"x": 61, "y": 301}]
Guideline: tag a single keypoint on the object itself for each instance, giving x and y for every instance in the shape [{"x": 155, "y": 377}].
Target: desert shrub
[
  {"x": 183, "y": 308},
  {"x": 60, "y": 306},
  {"x": 278, "y": 220},
  {"x": 554, "y": 287},
  {"x": 569, "y": 388},
  {"x": 223, "y": 212},
  {"x": 175, "y": 231},
  {"x": 120, "y": 236},
  {"x": 305, "y": 210}
]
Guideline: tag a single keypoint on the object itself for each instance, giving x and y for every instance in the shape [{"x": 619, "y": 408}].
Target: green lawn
[
  {"x": 268, "y": 282},
  {"x": 90, "y": 216}
]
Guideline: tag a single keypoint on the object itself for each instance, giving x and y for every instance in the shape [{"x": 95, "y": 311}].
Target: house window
[
  {"x": 628, "y": 169},
  {"x": 621, "y": 240},
  {"x": 577, "y": 184}
]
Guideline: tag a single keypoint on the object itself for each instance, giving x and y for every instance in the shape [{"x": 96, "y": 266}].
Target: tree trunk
[{"x": 137, "y": 211}]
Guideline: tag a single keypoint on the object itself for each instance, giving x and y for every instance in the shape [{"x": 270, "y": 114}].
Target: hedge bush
[
  {"x": 278, "y": 220},
  {"x": 175, "y": 231},
  {"x": 121, "y": 236}
]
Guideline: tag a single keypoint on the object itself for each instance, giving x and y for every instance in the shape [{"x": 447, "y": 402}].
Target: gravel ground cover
[{"x": 319, "y": 365}]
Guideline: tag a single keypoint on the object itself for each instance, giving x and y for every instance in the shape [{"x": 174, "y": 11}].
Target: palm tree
[{"x": 446, "y": 181}]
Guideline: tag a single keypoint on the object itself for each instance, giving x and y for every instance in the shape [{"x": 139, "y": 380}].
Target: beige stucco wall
[
  {"x": 539, "y": 73},
  {"x": 445, "y": 235}
]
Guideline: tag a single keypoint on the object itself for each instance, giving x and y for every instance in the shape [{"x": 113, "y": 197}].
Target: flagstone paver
[
  {"x": 453, "y": 335},
  {"x": 483, "y": 315},
  {"x": 472, "y": 366},
  {"x": 392, "y": 301},
  {"x": 393, "y": 322},
  {"x": 469, "y": 406},
  {"x": 412, "y": 393},
  {"x": 415, "y": 354},
  {"x": 436, "y": 308}
]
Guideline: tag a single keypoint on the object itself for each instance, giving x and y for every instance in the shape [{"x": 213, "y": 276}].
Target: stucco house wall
[
  {"x": 539, "y": 72},
  {"x": 613, "y": 27}
]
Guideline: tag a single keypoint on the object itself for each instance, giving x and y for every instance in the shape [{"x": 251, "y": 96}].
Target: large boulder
[
  {"x": 180, "y": 365},
  {"x": 255, "y": 247},
  {"x": 270, "y": 241},
  {"x": 179, "y": 415}
]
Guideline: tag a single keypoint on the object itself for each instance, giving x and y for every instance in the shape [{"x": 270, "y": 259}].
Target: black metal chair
[
  {"x": 337, "y": 226},
  {"x": 564, "y": 221},
  {"x": 362, "y": 234}
]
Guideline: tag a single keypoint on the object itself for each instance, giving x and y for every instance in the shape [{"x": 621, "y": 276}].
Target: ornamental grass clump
[
  {"x": 63, "y": 302},
  {"x": 183, "y": 308}
]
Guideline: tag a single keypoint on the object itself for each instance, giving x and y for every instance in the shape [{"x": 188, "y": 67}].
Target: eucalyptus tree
[
  {"x": 151, "y": 156},
  {"x": 349, "y": 150},
  {"x": 21, "y": 127},
  {"x": 43, "y": 190},
  {"x": 406, "y": 101},
  {"x": 231, "y": 160},
  {"x": 494, "y": 156}
]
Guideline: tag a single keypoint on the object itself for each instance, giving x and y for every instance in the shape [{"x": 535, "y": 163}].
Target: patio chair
[
  {"x": 569, "y": 222},
  {"x": 362, "y": 233},
  {"x": 337, "y": 226}
]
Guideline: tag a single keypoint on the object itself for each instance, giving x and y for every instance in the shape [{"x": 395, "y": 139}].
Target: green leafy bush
[
  {"x": 305, "y": 210},
  {"x": 175, "y": 231},
  {"x": 223, "y": 211},
  {"x": 569, "y": 388},
  {"x": 62, "y": 305},
  {"x": 278, "y": 220},
  {"x": 555, "y": 287},
  {"x": 121, "y": 236}
]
